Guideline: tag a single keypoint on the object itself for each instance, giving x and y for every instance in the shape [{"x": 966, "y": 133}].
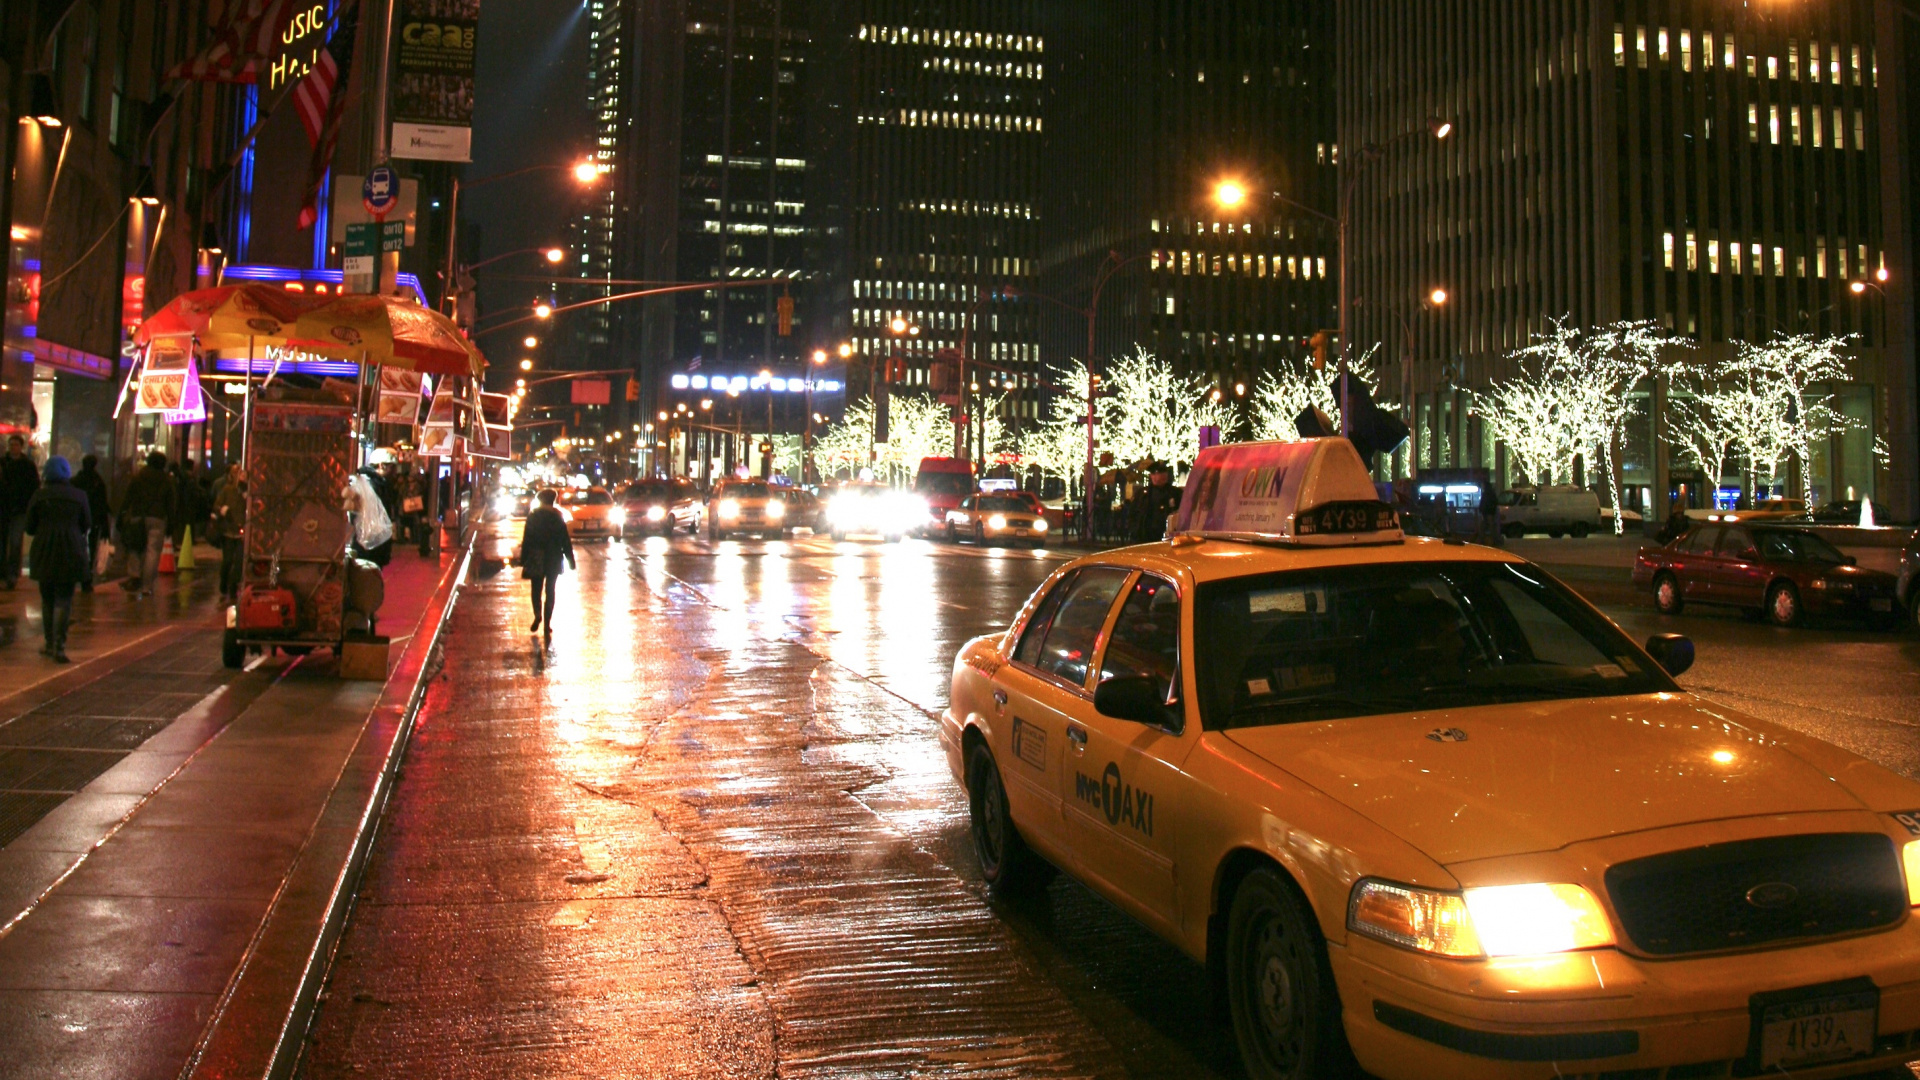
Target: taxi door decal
[{"x": 1120, "y": 803}]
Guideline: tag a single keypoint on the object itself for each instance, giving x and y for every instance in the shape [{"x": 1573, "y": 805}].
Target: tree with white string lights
[{"x": 1762, "y": 408}]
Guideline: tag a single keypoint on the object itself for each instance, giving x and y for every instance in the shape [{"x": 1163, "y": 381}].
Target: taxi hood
[{"x": 1481, "y": 782}]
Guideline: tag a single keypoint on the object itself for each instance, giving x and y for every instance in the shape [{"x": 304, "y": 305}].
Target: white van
[{"x": 1555, "y": 510}]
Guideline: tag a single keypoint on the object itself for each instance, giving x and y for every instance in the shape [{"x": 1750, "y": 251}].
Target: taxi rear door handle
[{"x": 1077, "y": 735}]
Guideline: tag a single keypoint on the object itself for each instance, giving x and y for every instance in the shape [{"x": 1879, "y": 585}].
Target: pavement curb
[{"x": 259, "y": 1028}]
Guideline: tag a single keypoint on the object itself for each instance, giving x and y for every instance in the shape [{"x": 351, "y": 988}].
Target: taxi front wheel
[
  {"x": 1280, "y": 991},
  {"x": 1005, "y": 860}
]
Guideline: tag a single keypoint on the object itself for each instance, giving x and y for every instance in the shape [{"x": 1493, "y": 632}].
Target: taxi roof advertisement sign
[{"x": 1269, "y": 489}]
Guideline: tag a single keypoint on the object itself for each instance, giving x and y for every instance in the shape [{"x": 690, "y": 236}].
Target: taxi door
[
  {"x": 1039, "y": 690},
  {"x": 1119, "y": 778}
]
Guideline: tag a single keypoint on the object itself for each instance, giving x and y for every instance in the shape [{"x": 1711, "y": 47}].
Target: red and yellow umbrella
[{"x": 382, "y": 330}]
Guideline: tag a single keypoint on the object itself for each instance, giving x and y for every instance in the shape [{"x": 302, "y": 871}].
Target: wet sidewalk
[{"x": 176, "y": 839}]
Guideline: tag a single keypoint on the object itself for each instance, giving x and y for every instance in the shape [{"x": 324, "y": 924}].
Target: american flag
[
  {"x": 244, "y": 37},
  {"x": 321, "y": 97},
  {"x": 313, "y": 98}
]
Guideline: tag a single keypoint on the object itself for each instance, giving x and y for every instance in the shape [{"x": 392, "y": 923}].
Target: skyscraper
[
  {"x": 943, "y": 163},
  {"x": 1724, "y": 170},
  {"x": 1152, "y": 106}
]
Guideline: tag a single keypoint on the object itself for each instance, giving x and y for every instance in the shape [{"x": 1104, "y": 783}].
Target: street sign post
[{"x": 380, "y": 191}]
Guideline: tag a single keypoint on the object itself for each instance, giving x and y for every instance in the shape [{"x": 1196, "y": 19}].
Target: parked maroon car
[{"x": 1782, "y": 573}]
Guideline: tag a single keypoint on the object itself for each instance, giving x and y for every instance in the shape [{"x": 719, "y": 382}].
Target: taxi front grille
[{"x": 1752, "y": 892}]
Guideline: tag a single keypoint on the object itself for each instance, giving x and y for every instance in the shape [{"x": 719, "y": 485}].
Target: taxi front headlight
[
  {"x": 1911, "y": 857},
  {"x": 776, "y": 510},
  {"x": 617, "y": 516},
  {"x": 656, "y": 513},
  {"x": 1039, "y": 524},
  {"x": 1505, "y": 920},
  {"x": 997, "y": 521},
  {"x": 729, "y": 508}
]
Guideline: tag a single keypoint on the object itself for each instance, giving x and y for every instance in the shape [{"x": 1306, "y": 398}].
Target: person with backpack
[
  {"x": 58, "y": 519},
  {"x": 544, "y": 546}
]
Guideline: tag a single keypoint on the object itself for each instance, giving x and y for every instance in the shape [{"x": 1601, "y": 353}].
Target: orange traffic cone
[{"x": 168, "y": 562}]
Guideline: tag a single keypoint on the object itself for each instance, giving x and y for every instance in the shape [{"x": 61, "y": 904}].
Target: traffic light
[
  {"x": 1372, "y": 429},
  {"x": 784, "y": 307}
]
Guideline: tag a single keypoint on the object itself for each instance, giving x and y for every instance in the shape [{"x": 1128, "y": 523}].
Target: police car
[{"x": 1417, "y": 804}]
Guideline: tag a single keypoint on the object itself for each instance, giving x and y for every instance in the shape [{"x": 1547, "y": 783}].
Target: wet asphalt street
[{"x": 710, "y": 833}]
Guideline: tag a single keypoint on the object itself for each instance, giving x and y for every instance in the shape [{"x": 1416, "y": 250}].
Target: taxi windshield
[
  {"x": 746, "y": 491},
  {"x": 1004, "y": 502},
  {"x": 1366, "y": 640}
]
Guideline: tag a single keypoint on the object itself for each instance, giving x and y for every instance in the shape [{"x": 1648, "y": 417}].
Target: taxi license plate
[
  {"x": 1023, "y": 532},
  {"x": 1881, "y": 603},
  {"x": 1815, "y": 1025}
]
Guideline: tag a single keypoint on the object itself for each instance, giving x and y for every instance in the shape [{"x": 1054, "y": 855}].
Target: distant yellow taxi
[{"x": 1415, "y": 803}]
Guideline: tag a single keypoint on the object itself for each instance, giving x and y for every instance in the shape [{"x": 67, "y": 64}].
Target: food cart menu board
[{"x": 299, "y": 458}]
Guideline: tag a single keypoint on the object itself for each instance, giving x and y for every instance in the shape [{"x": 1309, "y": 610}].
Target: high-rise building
[
  {"x": 1152, "y": 105},
  {"x": 1725, "y": 170},
  {"x": 708, "y": 118},
  {"x": 942, "y": 137}
]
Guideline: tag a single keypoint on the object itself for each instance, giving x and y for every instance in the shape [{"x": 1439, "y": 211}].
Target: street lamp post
[
  {"x": 1230, "y": 195},
  {"x": 585, "y": 172}
]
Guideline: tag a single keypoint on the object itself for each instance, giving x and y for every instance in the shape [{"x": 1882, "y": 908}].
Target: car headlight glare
[
  {"x": 617, "y": 516},
  {"x": 1504, "y": 920},
  {"x": 729, "y": 508},
  {"x": 1432, "y": 922},
  {"x": 776, "y": 510},
  {"x": 1911, "y": 857},
  {"x": 1527, "y": 920},
  {"x": 997, "y": 521},
  {"x": 1039, "y": 524},
  {"x": 656, "y": 513}
]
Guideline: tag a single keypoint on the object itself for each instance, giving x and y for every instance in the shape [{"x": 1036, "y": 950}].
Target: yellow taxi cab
[
  {"x": 738, "y": 506},
  {"x": 1417, "y": 804},
  {"x": 591, "y": 511},
  {"x": 999, "y": 519}
]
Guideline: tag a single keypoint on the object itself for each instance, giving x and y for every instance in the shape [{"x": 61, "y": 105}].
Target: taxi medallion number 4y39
[{"x": 1815, "y": 1030}]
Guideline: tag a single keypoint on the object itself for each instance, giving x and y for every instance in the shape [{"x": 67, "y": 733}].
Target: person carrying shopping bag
[
  {"x": 544, "y": 546},
  {"x": 58, "y": 520}
]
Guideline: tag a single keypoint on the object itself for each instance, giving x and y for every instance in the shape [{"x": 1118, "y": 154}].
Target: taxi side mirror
[
  {"x": 1136, "y": 698},
  {"x": 1674, "y": 652},
  {"x": 1849, "y": 560}
]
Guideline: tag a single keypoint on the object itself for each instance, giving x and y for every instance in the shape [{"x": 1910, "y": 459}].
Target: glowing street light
[
  {"x": 846, "y": 349},
  {"x": 531, "y": 342},
  {"x": 1230, "y": 194},
  {"x": 554, "y": 255},
  {"x": 898, "y": 326},
  {"x": 586, "y": 172},
  {"x": 543, "y": 311},
  {"x": 1437, "y": 297},
  {"x": 526, "y": 365},
  {"x": 819, "y": 356}
]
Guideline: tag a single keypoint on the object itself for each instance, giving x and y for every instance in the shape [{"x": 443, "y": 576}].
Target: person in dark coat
[
  {"x": 18, "y": 481},
  {"x": 145, "y": 511},
  {"x": 543, "y": 547},
  {"x": 90, "y": 483},
  {"x": 58, "y": 518},
  {"x": 229, "y": 530}
]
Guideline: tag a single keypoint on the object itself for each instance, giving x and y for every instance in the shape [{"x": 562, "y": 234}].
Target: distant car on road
[
  {"x": 1783, "y": 573},
  {"x": 804, "y": 509},
  {"x": 941, "y": 482},
  {"x": 1555, "y": 510},
  {"x": 660, "y": 506},
  {"x": 996, "y": 519},
  {"x": 738, "y": 506},
  {"x": 591, "y": 512},
  {"x": 874, "y": 510}
]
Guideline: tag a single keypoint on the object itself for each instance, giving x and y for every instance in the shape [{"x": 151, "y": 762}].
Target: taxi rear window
[{"x": 1369, "y": 640}]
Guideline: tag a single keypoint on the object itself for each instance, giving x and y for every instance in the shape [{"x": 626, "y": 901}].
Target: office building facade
[
  {"x": 1724, "y": 170},
  {"x": 1152, "y": 105}
]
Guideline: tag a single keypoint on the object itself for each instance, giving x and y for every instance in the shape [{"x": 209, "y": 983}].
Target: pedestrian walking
[
  {"x": 145, "y": 513},
  {"x": 543, "y": 547},
  {"x": 228, "y": 530},
  {"x": 90, "y": 483},
  {"x": 18, "y": 481},
  {"x": 58, "y": 518}
]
